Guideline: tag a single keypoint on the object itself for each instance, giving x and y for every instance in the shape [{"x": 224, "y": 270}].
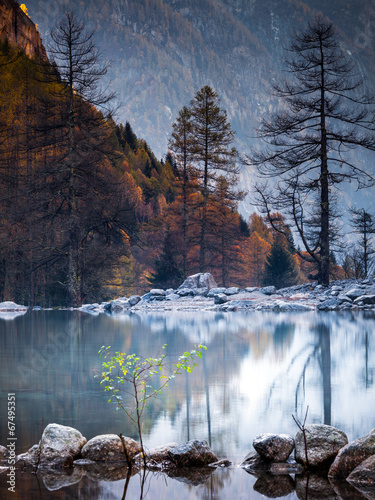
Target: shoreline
[{"x": 354, "y": 295}]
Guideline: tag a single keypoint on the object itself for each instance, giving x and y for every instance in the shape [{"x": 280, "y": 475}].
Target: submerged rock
[
  {"x": 274, "y": 447},
  {"x": 351, "y": 455},
  {"x": 253, "y": 462},
  {"x": 323, "y": 444},
  {"x": 109, "y": 448}
]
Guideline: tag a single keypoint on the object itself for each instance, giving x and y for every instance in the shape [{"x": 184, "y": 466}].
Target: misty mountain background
[{"x": 163, "y": 51}]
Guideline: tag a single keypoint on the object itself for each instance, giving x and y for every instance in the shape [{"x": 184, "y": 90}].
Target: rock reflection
[
  {"x": 314, "y": 487},
  {"x": 274, "y": 486}
]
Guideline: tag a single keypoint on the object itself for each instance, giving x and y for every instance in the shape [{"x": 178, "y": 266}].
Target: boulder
[
  {"x": 274, "y": 447},
  {"x": 364, "y": 474},
  {"x": 157, "y": 458},
  {"x": 220, "y": 298},
  {"x": 251, "y": 289},
  {"x": 351, "y": 455},
  {"x": 192, "y": 454},
  {"x": 268, "y": 290},
  {"x": 329, "y": 305},
  {"x": 323, "y": 444},
  {"x": 157, "y": 292},
  {"x": 109, "y": 448},
  {"x": 233, "y": 290},
  {"x": 216, "y": 291},
  {"x": 354, "y": 293},
  {"x": 253, "y": 462},
  {"x": 134, "y": 299},
  {"x": 185, "y": 292},
  {"x": 200, "y": 292},
  {"x": 58, "y": 447},
  {"x": 365, "y": 299},
  {"x": 199, "y": 280},
  {"x": 172, "y": 296}
]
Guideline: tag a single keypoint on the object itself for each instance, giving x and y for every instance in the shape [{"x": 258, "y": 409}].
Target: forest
[{"x": 89, "y": 213}]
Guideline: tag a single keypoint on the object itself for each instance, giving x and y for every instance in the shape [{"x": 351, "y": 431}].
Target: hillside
[{"x": 162, "y": 51}]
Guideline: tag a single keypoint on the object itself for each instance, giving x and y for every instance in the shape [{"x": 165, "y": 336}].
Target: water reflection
[{"x": 259, "y": 369}]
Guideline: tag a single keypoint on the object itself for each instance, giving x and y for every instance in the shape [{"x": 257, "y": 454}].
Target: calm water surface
[{"x": 259, "y": 369}]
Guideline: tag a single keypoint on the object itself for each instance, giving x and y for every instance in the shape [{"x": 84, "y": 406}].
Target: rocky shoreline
[
  {"x": 319, "y": 459},
  {"x": 200, "y": 293}
]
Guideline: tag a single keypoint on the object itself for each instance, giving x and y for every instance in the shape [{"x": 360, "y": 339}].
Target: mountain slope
[{"x": 163, "y": 51}]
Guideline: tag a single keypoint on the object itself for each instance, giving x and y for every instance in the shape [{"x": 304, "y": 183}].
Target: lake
[{"x": 259, "y": 369}]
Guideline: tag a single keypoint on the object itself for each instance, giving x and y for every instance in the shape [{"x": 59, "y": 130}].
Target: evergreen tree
[
  {"x": 280, "y": 269},
  {"x": 211, "y": 152},
  {"x": 167, "y": 271},
  {"x": 364, "y": 224}
]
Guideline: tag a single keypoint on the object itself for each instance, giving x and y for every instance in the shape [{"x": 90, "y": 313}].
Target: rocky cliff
[{"x": 18, "y": 29}]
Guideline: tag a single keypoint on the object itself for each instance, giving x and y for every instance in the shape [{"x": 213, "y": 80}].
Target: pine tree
[{"x": 280, "y": 269}]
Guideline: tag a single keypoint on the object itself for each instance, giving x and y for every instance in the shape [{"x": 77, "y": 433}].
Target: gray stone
[
  {"x": 200, "y": 292},
  {"x": 199, "y": 280},
  {"x": 158, "y": 292},
  {"x": 109, "y": 448},
  {"x": 157, "y": 457},
  {"x": 251, "y": 289},
  {"x": 274, "y": 447},
  {"x": 254, "y": 462},
  {"x": 134, "y": 299},
  {"x": 354, "y": 293},
  {"x": 192, "y": 454},
  {"x": 268, "y": 290},
  {"x": 364, "y": 474},
  {"x": 59, "y": 446},
  {"x": 323, "y": 444},
  {"x": 185, "y": 292},
  {"x": 365, "y": 299},
  {"x": 233, "y": 290},
  {"x": 216, "y": 291},
  {"x": 329, "y": 305},
  {"x": 220, "y": 298},
  {"x": 351, "y": 455},
  {"x": 280, "y": 305},
  {"x": 172, "y": 296}
]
